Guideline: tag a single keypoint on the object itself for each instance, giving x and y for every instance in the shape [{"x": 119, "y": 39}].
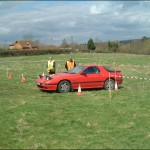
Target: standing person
[
  {"x": 51, "y": 66},
  {"x": 70, "y": 64}
]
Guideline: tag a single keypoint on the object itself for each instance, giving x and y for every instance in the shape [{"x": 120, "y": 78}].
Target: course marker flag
[
  {"x": 10, "y": 75},
  {"x": 79, "y": 91},
  {"x": 23, "y": 79}
]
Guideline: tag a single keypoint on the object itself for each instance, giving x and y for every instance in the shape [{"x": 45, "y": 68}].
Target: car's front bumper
[{"x": 48, "y": 87}]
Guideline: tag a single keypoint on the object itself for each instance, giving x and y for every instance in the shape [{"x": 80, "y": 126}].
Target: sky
[{"x": 51, "y": 22}]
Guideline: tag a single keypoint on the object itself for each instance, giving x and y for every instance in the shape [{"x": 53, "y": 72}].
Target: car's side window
[
  {"x": 96, "y": 70},
  {"x": 92, "y": 70}
]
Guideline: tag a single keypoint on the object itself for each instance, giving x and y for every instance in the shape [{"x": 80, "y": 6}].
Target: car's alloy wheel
[
  {"x": 109, "y": 84},
  {"x": 63, "y": 86}
]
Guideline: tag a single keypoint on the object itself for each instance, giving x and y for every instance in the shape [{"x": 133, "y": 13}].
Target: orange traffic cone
[
  {"x": 116, "y": 86},
  {"x": 79, "y": 91},
  {"x": 23, "y": 79},
  {"x": 11, "y": 75}
]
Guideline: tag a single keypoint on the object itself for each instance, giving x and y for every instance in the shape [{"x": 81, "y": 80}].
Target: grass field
[{"x": 32, "y": 119}]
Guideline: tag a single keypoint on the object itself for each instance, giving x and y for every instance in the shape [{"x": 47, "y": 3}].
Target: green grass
[{"x": 32, "y": 119}]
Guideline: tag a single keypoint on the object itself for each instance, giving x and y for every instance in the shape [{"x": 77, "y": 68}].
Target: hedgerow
[{"x": 7, "y": 53}]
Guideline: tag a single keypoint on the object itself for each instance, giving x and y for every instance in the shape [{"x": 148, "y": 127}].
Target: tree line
[{"x": 136, "y": 46}]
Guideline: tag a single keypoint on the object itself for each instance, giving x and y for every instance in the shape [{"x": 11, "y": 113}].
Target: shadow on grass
[
  {"x": 93, "y": 89},
  {"x": 120, "y": 87}
]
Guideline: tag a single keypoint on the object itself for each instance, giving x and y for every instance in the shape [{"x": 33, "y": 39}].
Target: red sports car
[{"x": 88, "y": 76}]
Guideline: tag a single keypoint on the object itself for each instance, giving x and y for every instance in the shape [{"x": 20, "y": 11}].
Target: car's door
[{"x": 91, "y": 78}]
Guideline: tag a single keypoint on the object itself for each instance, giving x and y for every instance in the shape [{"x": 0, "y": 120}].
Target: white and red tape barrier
[{"x": 133, "y": 77}]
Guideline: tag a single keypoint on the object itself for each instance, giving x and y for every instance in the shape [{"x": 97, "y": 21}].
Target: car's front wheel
[
  {"x": 63, "y": 87},
  {"x": 109, "y": 84}
]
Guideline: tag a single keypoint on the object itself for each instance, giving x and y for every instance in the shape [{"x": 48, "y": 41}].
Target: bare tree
[
  {"x": 37, "y": 42},
  {"x": 64, "y": 44},
  {"x": 28, "y": 36}
]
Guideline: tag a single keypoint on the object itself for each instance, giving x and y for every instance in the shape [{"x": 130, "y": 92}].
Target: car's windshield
[{"x": 76, "y": 69}]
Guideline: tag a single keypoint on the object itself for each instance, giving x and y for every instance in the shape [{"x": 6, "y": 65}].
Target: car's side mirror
[{"x": 83, "y": 73}]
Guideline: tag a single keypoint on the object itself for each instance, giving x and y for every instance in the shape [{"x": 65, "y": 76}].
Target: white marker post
[
  {"x": 7, "y": 72},
  {"x": 58, "y": 69},
  {"x": 109, "y": 87}
]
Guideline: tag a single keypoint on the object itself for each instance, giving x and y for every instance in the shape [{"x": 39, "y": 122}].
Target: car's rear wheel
[
  {"x": 63, "y": 87},
  {"x": 109, "y": 83}
]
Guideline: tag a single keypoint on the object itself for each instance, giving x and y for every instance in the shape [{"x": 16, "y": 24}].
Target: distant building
[
  {"x": 23, "y": 44},
  {"x": 30, "y": 45}
]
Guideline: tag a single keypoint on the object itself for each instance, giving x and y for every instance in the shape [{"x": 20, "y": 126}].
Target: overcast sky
[{"x": 53, "y": 21}]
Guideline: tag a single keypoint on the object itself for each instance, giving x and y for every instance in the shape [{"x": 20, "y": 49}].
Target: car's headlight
[
  {"x": 38, "y": 83},
  {"x": 48, "y": 78}
]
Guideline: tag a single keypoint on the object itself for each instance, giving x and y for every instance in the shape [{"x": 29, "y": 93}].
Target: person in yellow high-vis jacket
[
  {"x": 70, "y": 64},
  {"x": 51, "y": 66}
]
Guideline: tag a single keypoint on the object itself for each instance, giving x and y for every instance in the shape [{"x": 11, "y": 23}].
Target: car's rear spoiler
[{"x": 111, "y": 70}]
